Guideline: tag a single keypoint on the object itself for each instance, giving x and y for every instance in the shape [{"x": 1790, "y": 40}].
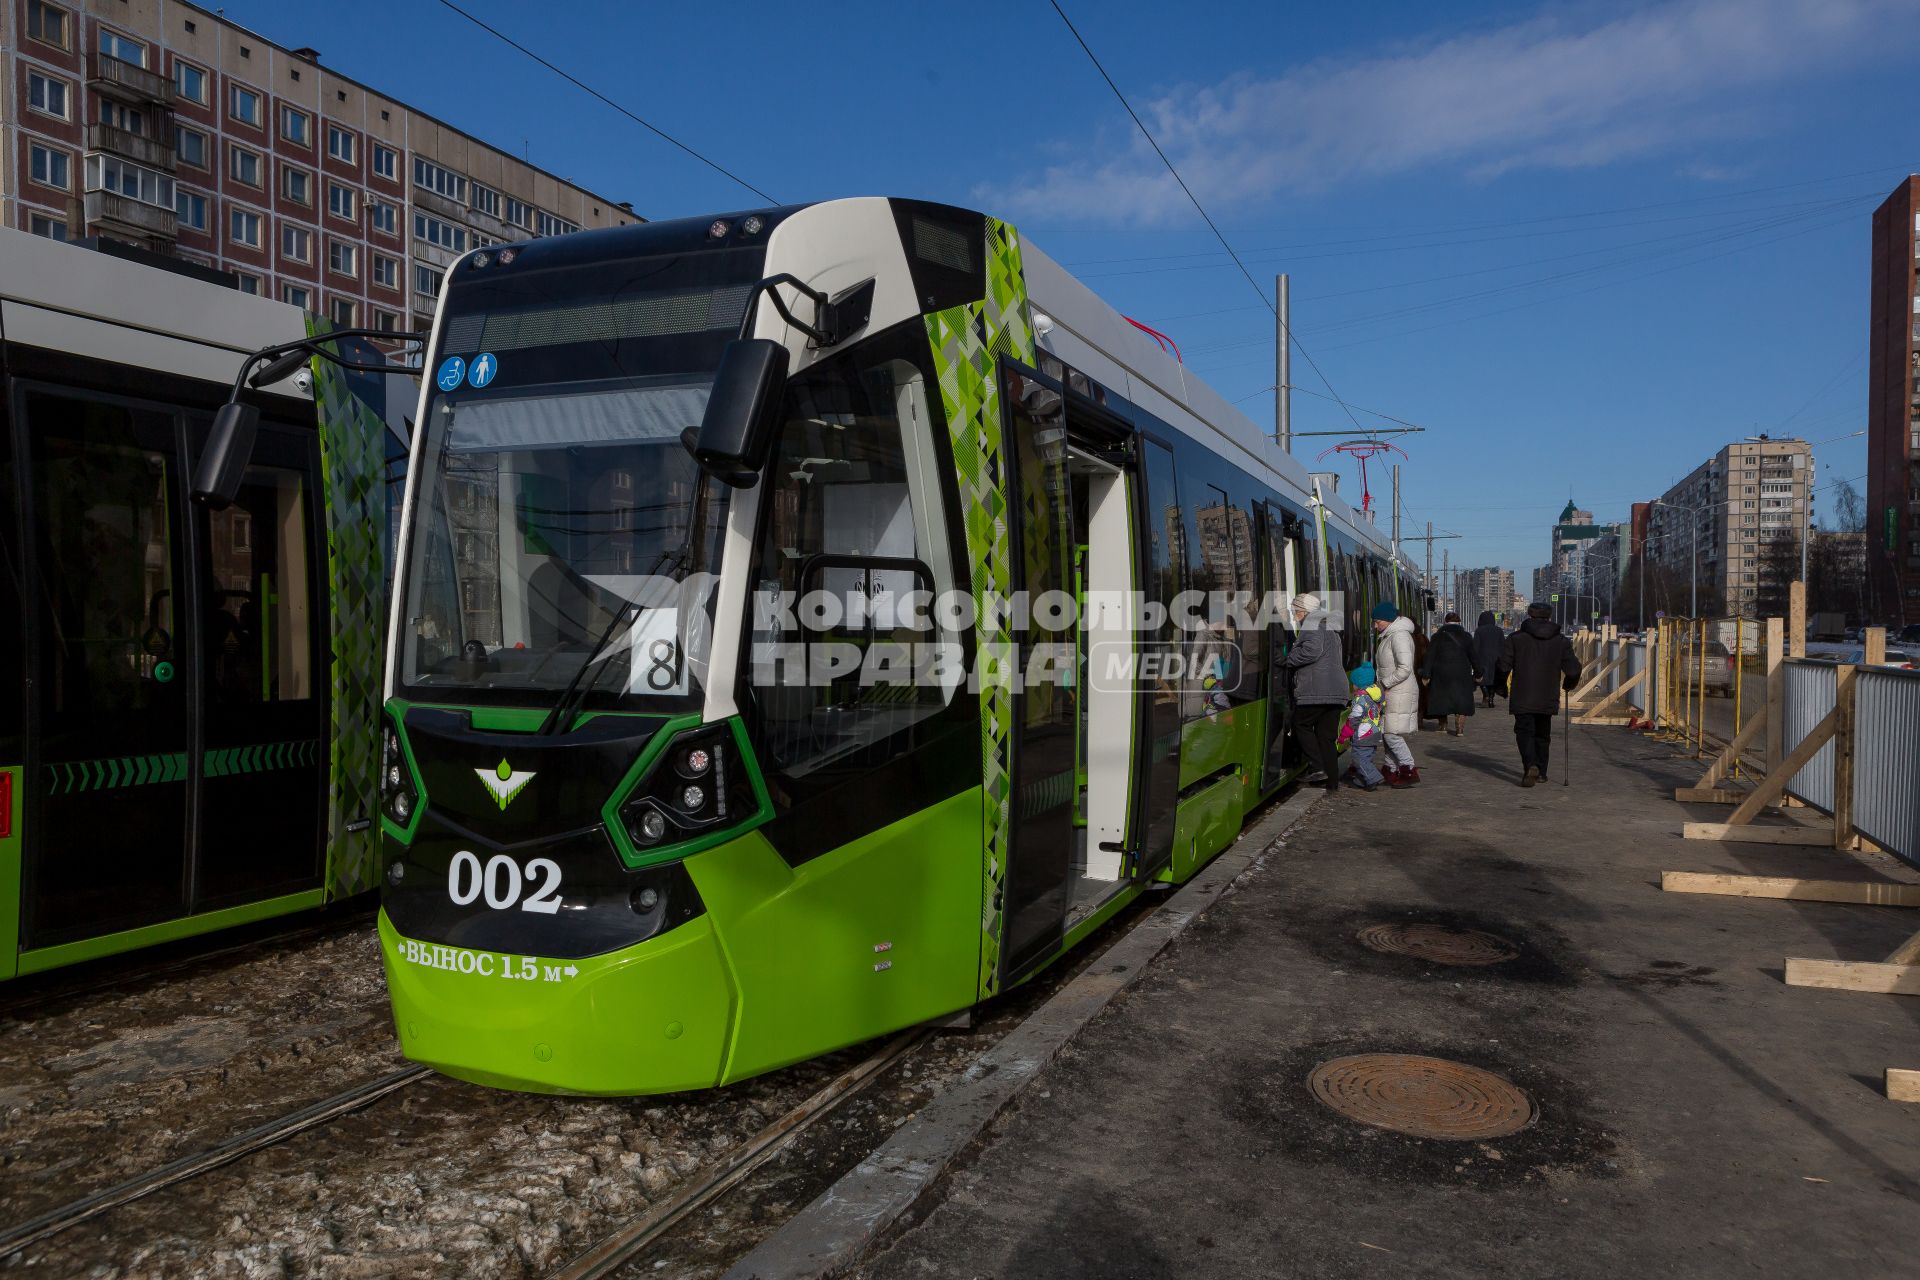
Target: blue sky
[{"x": 1583, "y": 244}]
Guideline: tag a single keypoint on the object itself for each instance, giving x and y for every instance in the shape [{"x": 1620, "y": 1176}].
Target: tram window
[
  {"x": 259, "y": 639},
  {"x": 107, "y": 572},
  {"x": 1218, "y": 673},
  {"x": 853, "y": 522}
]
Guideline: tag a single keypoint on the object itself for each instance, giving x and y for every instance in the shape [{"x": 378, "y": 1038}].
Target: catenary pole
[{"x": 1283, "y": 365}]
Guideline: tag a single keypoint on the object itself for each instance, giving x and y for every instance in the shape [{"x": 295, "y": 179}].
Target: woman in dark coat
[
  {"x": 1489, "y": 640},
  {"x": 1420, "y": 644},
  {"x": 1452, "y": 669}
]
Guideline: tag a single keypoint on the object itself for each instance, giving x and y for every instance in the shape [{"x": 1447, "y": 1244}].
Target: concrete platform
[{"x": 1696, "y": 1116}]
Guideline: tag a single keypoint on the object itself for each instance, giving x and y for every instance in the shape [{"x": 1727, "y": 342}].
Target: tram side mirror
[
  {"x": 743, "y": 412},
  {"x": 216, "y": 481}
]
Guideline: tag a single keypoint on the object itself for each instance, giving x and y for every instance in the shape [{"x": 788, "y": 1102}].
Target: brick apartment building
[
  {"x": 1893, "y": 408},
  {"x": 164, "y": 125}
]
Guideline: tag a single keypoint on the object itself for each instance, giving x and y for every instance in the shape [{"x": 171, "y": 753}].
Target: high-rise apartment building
[
  {"x": 162, "y": 124},
  {"x": 1744, "y": 509},
  {"x": 1482, "y": 589},
  {"x": 1893, "y": 407}
]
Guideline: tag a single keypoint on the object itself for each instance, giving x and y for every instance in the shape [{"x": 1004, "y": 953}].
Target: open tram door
[
  {"x": 1278, "y": 533},
  {"x": 1076, "y": 723}
]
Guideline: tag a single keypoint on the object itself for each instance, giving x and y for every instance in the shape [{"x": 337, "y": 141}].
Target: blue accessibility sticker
[
  {"x": 481, "y": 372},
  {"x": 453, "y": 371}
]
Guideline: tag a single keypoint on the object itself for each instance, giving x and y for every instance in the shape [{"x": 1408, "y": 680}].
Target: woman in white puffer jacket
[{"x": 1393, "y": 660}]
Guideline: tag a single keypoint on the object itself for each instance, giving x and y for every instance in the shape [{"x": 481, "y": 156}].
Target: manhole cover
[
  {"x": 1438, "y": 943},
  {"x": 1425, "y": 1097}
]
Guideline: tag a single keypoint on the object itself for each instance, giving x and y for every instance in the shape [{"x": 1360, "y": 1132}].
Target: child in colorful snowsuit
[{"x": 1360, "y": 731}]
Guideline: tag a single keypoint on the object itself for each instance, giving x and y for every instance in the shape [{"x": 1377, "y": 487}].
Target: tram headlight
[
  {"x": 401, "y": 805},
  {"x": 397, "y": 797},
  {"x": 691, "y": 798},
  {"x": 701, "y": 783},
  {"x": 696, "y": 761},
  {"x": 651, "y": 826}
]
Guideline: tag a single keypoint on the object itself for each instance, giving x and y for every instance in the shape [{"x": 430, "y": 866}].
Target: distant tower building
[{"x": 1893, "y": 408}]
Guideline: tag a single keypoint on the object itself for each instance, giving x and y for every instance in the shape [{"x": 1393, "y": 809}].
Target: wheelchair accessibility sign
[{"x": 453, "y": 371}]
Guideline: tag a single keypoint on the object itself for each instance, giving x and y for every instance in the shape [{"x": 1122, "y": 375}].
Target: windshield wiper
[{"x": 676, "y": 560}]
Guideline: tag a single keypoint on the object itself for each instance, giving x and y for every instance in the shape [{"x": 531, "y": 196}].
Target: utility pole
[
  {"x": 1446, "y": 576},
  {"x": 1427, "y": 587},
  {"x": 1396, "y": 524},
  {"x": 1283, "y": 366}
]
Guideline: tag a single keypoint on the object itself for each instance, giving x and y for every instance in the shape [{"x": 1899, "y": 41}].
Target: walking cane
[{"x": 1566, "y": 738}]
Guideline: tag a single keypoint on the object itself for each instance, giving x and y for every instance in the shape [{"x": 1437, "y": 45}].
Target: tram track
[{"x": 175, "y": 1172}]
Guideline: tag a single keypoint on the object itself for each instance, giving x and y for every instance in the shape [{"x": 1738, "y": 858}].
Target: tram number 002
[{"x": 501, "y": 882}]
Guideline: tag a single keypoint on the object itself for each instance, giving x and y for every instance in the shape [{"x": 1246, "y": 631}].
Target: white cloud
[{"x": 1540, "y": 94}]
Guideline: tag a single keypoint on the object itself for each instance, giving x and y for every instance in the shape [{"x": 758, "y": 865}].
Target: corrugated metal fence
[
  {"x": 1808, "y": 698},
  {"x": 1886, "y": 758}
]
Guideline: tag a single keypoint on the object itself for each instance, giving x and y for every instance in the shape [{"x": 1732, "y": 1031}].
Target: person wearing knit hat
[
  {"x": 1396, "y": 662},
  {"x": 1360, "y": 727},
  {"x": 1317, "y": 689}
]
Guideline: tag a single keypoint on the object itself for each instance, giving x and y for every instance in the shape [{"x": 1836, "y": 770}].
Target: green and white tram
[
  {"x": 713, "y": 741},
  {"x": 189, "y": 736}
]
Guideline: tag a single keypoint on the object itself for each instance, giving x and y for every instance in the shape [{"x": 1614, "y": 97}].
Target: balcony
[
  {"x": 127, "y": 82},
  {"x": 108, "y": 212},
  {"x": 134, "y": 146}
]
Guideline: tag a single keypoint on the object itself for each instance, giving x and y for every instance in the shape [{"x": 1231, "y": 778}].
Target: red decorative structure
[
  {"x": 1363, "y": 450},
  {"x": 1166, "y": 343}
]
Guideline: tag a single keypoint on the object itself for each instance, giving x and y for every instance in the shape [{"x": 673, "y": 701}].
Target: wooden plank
[
  {"x": 1797, "y": 620},
  {"x": 1903, "y": 1085},
  {"x": 1724, "y": 761},
  {"x": 1907, "y": 952},
  {"x": 1603, "y": 720},
  {"x": 1776, "y": 694},
  {"x": 1777, "y": 779},
  {"x": 1747, "y": 833},
  {"x": 1580, "y": 695},
  {"x": 1876, "y": 642},
  {"x": 1854, "y": 975},
  {"x": 1885, "y": 893},
  {"x": 1592, "y": 714},
  {"x": 1843, "y": 756},
  {"x": 1708, "y": 795}
]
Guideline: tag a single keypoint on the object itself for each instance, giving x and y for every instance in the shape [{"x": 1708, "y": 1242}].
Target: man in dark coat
[
  {"x": 1318, "y": 684},
  {"x": 1451, "y": 671},
  {"x": 1537, "y": 658},
  {"x": 1489, "y": 641}
]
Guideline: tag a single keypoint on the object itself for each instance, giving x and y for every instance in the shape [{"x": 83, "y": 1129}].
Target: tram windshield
[{"x": 554, "y": 491}]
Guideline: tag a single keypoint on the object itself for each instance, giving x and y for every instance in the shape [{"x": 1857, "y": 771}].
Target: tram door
[
  {"x": 179, "y": 763},
  {"x": 1279, "y": 575}
]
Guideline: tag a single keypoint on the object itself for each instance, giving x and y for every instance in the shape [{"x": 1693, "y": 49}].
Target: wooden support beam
[
  {"x": 1708, "y": 795},
  {"x": 1876, "y": 645},
  {"x": 1797, "y": 620},
  {"x": 1854, "y": 975},
  {"x": 1776, "y": 781},
  {"x": 1907, "y": 952},
  {"x": 1886, "y": 893},
  {"x": 1843, "y": 756},
  {"x": 1593, "y": 714},
  {"x": 1820, "y": 834},
  {"x": 1724, "y": 761},
  {"x": 1902, "y": 1085},
  {"x": 1581, "y": 694},
  {"x": 1776, "y": 694}
]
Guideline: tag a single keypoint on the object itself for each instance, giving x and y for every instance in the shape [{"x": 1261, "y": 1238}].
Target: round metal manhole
[
  {"x": 1438, "y": 943},
  {"x": 1424, "y": 1097}
]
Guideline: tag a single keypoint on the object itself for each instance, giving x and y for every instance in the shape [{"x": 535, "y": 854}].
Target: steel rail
[
  {"x": 51, "y": 1223},
  {"x": 619, "y": 1247}
]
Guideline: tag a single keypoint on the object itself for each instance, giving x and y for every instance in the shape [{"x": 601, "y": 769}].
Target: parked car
[
  {"x": 1718, "y": 673},
  {"x": 1910, "y": 634}
]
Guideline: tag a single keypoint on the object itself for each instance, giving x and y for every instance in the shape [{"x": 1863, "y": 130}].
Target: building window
[
  {"x": 296, "y": 244},
  {"x": 191, "y": 210},
  {"x": 386, "y": 163},
  {"x": 118, "y": 115},
  {"x": 342, "y": 312},
  {"x": 340, "y": 201},
  {"x": 445, "y": 182},
  {"x": 50, "y": 168},
  {"x": 386, "y": 321},
  {"x": 243, "y": 227},
  {"x": 123, "y": 48},
  {"x": 546, "y": 224},
  {"x": 296, "y": 185},
  {"x": 382, "y": 216},
  {"x": 343, "y": 258},
  {"x": 245, "y": 165},
  {"x": 386, "y": 271},
  {"x": 520, "y": 213},
  {"x": 297, "y": 296},
  {"x": 296, "y": 126},
  {"x": 190, "y": 82},
  {"x": 190, "y": 145},
  {"x": 48, "y": 24},
  {"x": 245, "y": 106},
  {"x": 486, "y": 200},
  {"x": 436, "y": 232},
  {"x": 52, "y": 228},
  {"x": 340, "y": 144},
  {"x": 48, "y": 95},
  {"x": 248, "y": 282},
  {"x": 426, "y": 281}
]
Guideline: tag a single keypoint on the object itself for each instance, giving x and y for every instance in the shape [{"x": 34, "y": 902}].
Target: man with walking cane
[{"x": 1536, "y": 658}]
